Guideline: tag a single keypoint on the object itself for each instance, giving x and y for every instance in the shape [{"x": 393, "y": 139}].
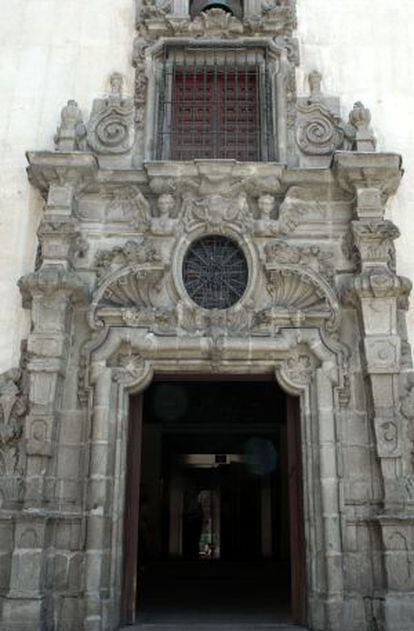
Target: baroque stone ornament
[
  {"x": 13, "y": 406},
  {"x": 131, "y": 369},
  {"x": 141, "y": 81},
  {"x": 153, "y": 9},
  {"x": 128, "y": 277},
  {"x": 127, "y": 203},
  {"x": 137, "y": 251},
  {"x": 360, "y": 118},
  {"x": 299, "y": 368},
  {"x": 301, "y": 294},
  {"x": 320, "y": 130},
  {"x": 214, "y": 323},
  {"x": 213, "y": 211},
  {"x": 110, "y": 127},
  {"x": 280, "y": 251},
  {"x": 13, "y": 409},
  {"x": 139, "y": 212},
  {"x": 71, "y": 131},
  {"x": 166, "y": 222}
]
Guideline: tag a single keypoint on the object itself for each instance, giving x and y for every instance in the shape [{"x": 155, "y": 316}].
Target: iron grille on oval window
[
  {"x": 215, "y": 104},
  {"x": 215, "y": 272}
]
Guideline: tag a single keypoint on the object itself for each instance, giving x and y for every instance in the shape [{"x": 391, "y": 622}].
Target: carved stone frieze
[
  {"x": 213, "y": 211},
  {"x": 214, "y": 322},
  {"x": 110, "y": 127},
  {"x": 161, "y": 319},
  {"x": 280, "y": 251},
  {"x": 128, "y": 203},
  {"x": 154, "y": 9},
  {"x": 274, "y": 20},
  {"x": 133, "y": 252}
]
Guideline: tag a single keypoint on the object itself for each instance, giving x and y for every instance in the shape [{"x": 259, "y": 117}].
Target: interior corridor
[{"x": 214, "y": 517}]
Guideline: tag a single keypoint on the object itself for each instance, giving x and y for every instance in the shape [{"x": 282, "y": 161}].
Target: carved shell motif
[
  {"x": 133, "y": 288},
  {"x": 294, "y": 291},
  {"x": 297, "y": 290}
]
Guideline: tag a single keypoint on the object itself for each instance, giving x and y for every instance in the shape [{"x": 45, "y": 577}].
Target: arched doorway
[{"x": 214, "y": 525}]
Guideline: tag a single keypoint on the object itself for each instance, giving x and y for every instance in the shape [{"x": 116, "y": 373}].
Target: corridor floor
[{"x": 214, "y": 596}]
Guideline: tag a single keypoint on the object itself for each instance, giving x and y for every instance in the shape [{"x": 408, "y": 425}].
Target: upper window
[{"x": 215, "y": 104}]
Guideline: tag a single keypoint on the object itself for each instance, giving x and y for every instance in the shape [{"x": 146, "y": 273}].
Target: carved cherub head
[
  {"x": 266, "y": 204},
  {"x": 165, "y": 204}
]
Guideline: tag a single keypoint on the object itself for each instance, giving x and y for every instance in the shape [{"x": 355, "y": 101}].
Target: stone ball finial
[
  {"x": 360, "y": 116},
  {"x": 116, "y": 81},
  {"x": 71, "y": 130},
  {"x": 315, "y": 80},
  {"x": 71, "y": 114}
]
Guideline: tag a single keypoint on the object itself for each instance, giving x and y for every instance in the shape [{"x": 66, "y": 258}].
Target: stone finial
[
  {"x": 71, "y": 130},
  {"x": 315, "y": 80},
  {"x": 360, "y": 118},
  {"x": 116, "y": 81}
]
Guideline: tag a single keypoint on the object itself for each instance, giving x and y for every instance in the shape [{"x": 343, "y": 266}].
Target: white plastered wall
[
  {"x": 50, "y": 51},
  {"x": 365, "y": 51},
  {"x": 53, "y": 50}
]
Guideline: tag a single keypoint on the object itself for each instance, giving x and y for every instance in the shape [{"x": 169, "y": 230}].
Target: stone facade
[{"x": 324, "y": 311}]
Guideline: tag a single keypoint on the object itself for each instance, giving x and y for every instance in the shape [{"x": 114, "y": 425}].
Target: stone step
[{"x": 213, "y": 627}]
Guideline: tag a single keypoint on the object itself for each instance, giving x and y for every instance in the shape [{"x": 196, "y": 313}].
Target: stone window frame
[
  {"x": 245, "y": 244},
  {"x": 278, "y": 69}
]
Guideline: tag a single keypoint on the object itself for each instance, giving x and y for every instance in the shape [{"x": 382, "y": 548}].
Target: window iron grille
[
  {"x": 215, "y": 104},
  {"x": 215, "y": 272}
]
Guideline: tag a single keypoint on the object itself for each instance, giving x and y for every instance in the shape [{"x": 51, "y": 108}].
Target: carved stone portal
[{"x": 112, "y": 303}]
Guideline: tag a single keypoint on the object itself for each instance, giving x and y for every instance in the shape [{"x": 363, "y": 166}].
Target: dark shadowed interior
[{"x": 214, "y": 504}]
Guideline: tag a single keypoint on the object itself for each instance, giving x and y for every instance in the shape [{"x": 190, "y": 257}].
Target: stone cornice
[
  {"x": 354, "y": 170},
  {"x": 349, "y": 170},
  {"x": 52, "y": 167}
]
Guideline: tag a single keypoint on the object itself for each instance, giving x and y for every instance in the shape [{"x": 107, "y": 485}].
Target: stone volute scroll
[
  {"x": 320, "y": 131},
  {"x": 110, "y": 127}
]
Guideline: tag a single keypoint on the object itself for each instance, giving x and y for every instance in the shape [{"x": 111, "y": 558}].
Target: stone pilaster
[
  {"x": 379, "y": 293},
  {"x": 51, "y": 292}
]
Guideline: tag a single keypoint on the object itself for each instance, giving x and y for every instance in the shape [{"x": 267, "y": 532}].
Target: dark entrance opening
[{"x": 214, "y": 528}]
